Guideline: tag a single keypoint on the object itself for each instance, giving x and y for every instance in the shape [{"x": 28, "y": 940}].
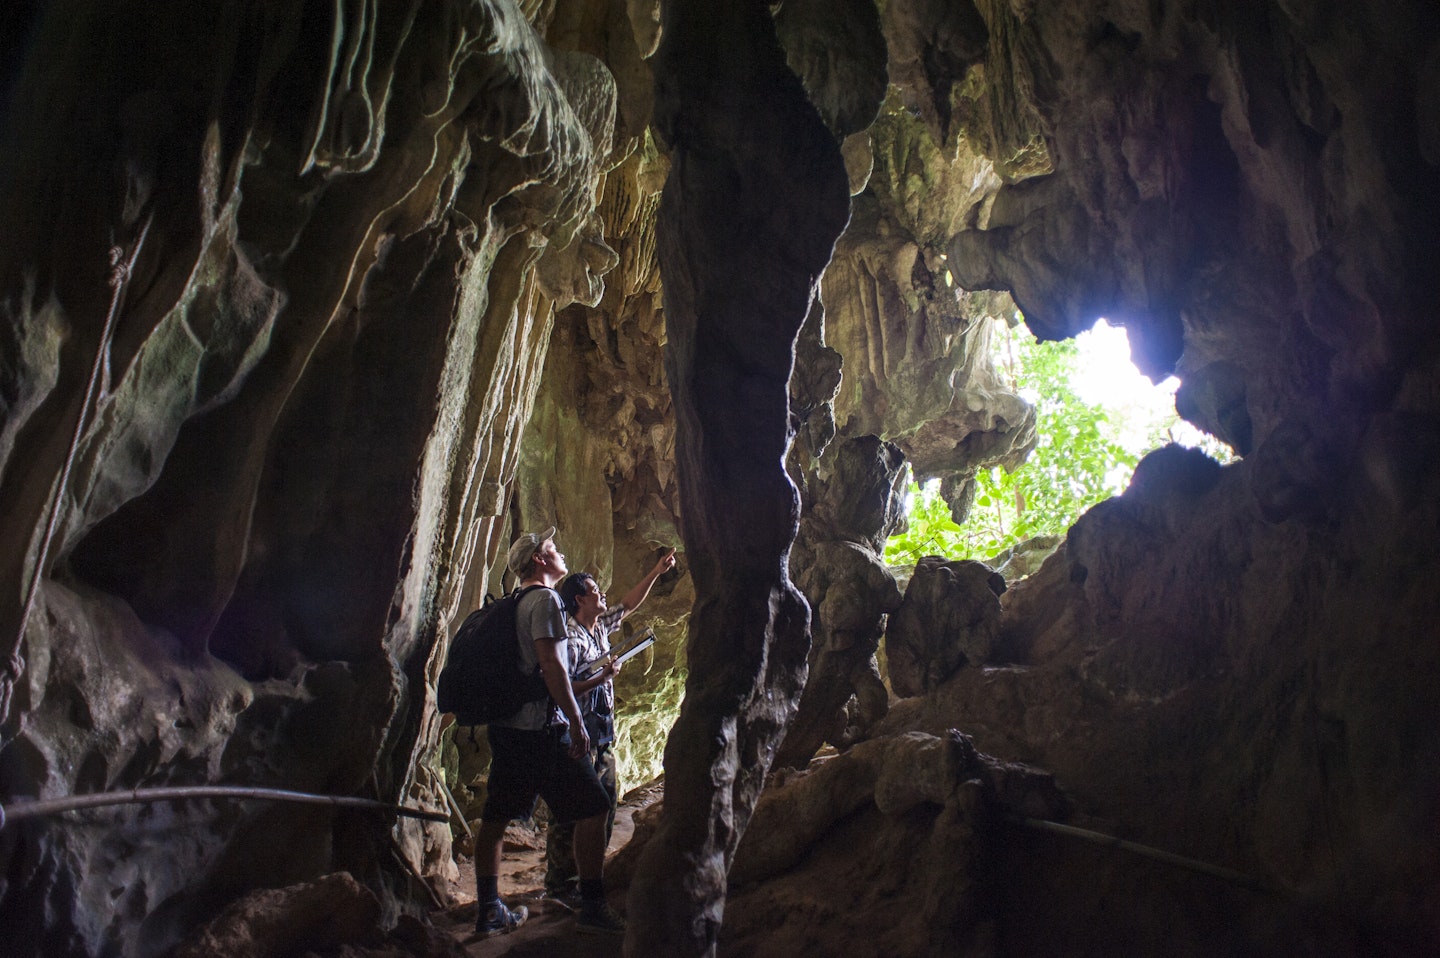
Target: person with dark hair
[
  {"x": 543, "y": 751},
  {"x": 589, "y": 625}
]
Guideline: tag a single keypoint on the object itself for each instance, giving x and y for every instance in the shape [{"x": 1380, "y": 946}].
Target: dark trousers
[{"x": 560, "y": 838}]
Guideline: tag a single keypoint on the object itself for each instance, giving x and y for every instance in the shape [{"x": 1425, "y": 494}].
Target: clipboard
[{"x": 640, "y": 643}]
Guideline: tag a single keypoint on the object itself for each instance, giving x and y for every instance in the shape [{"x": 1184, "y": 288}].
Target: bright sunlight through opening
[
  {"x": 1106, "y": 377},
  {"x": 1096, "y": 416}
]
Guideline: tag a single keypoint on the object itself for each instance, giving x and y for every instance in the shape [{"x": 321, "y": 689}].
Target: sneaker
[
  {"x": 598, "y": 918},
  {"x": 497, "y": 919}
]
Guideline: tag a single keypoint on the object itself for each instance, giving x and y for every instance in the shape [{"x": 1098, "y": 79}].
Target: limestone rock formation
[
  {"x": 323, "y": 916},
  {"x": 746, "y": 227},
  {"x": 897, "y": 773},
  {"x": 247, "y": 481},
  {"x": 307, "y": 309},
  {"x": 850, "y": 591},
  {"x": 950, "y": 617},
  {"x": 892, "y": 831},
  {"x": 598, "y": 457}
]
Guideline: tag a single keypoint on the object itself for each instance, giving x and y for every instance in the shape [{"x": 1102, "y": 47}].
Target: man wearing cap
[{"x": 543, "y": 750}]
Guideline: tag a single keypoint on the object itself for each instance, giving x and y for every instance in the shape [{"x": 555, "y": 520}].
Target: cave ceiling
[{"x": 307, "y": 309}]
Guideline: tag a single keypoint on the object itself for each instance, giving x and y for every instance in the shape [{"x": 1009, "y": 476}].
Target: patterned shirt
[{"x": 597, "y": 706}]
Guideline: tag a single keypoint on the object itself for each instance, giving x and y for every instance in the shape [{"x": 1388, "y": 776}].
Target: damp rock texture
[
  {"x": 850, "y": 591},
  {"x": 757, "y": 194},
  {"x": 950, "y": 617},
  {"x": 276, "y": 301},
  {"x": 307, "y": 309},
  {"x": 901, "y": 826}
]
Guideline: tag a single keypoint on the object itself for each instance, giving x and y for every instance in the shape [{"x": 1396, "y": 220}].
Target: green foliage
[
  {"x": 1078, "y": 461},
  {"x": 930, "y": 532}
]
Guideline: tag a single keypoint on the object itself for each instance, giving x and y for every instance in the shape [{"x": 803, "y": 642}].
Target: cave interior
[{"x": 308, "y": 309}]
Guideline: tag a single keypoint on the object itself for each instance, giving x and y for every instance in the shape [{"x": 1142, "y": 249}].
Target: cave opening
[{"x": 1096, "y": 416}]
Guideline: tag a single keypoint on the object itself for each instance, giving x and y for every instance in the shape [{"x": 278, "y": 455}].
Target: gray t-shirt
[{"x": 540, "y": 614}]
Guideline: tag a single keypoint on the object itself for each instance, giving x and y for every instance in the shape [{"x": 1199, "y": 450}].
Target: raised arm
[{"x": 637, "y": 595}]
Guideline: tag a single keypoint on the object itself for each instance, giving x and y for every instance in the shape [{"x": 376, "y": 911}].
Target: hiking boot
[
  {"x": 598, "y": 918},
  {"x": 496, "y": 919}
]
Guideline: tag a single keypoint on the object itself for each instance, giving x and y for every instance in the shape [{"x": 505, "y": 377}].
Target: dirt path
[{"x": 550, "y": 929}]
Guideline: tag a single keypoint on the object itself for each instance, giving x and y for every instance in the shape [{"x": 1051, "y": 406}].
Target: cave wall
[
  {"x": 343, "y": 296},
  {"x": 1232, "y": 664},
  {"x": 598, "y": 457},
  {"x": 347, "y": 230},
  {"x": 756, "y": 196}
]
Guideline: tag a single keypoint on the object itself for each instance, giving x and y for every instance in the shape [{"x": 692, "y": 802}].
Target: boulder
[{"x": 950, "y": 617}]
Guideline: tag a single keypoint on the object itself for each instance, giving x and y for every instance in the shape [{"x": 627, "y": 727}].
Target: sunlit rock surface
[{"x": 343, "y": 296}]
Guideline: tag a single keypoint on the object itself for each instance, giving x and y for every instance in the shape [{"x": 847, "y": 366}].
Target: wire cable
[{"x": 54, "y": 806}]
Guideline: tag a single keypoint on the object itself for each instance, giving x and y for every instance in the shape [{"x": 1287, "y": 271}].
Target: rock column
[{"x": 756, "y": 196}]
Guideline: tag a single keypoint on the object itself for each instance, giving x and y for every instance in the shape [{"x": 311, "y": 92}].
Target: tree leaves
[{"x": 1077, "y": 462}]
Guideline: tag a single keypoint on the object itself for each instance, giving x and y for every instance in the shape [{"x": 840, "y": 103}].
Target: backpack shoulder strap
[{"x": 521, "y": 593}]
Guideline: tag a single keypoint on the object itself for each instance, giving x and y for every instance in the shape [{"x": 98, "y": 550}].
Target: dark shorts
[{"x": 525, "y": 765}]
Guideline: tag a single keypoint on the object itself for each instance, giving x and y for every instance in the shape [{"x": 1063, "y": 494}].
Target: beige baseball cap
[{"x": 523, "y": 549}]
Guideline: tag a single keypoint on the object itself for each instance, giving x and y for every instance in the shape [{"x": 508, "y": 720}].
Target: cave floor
[{"x": 550, "y": 929}]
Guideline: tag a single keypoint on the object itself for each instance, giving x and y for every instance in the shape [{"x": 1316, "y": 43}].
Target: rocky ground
[{"x": 550, "y": 929}]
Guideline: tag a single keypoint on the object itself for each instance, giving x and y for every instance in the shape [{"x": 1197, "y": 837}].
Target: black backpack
[{"x": 482, "y": 681}]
